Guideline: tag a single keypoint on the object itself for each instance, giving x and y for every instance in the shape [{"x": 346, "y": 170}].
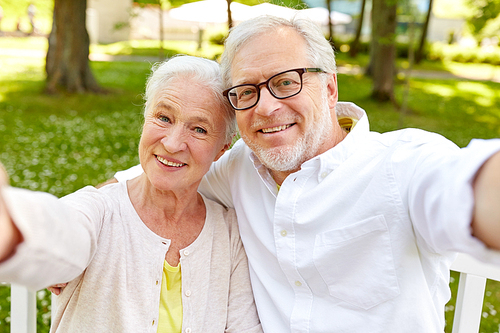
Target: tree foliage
[{"x": 483, "y": 13}]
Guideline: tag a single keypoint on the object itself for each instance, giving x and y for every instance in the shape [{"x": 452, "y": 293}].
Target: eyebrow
[
  {"x": 199, "y": 119},
  {"x": 194, "y": 119},
  {"x": 162, "y": 105}
]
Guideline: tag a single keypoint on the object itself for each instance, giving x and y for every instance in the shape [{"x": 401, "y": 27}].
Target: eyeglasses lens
[{"x": 281, "y": 86}]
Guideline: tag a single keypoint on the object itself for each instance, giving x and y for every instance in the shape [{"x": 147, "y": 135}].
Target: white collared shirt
[{"x": 362, "y": 237}]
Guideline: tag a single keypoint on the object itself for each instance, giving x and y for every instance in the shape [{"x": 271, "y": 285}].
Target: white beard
[{"x": 290, "y": 158}]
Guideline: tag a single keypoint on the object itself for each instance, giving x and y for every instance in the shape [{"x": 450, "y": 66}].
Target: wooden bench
[
  {"x": 467, "y": 317},
  {"x": 470, "y": 293}
]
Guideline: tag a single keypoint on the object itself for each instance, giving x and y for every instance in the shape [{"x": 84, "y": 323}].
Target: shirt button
[
  {"x": 298, "y": 283},
  {"x": 188, "y": 293},
  {"x": 157, "y": 282},
  {"x": 283, "y": 233},
  {"x": 186, "y": 252},
  {"x": 188, "y": 330},
  {"x": 324, "y": 174},
  {"x": 153, "y": 323}
]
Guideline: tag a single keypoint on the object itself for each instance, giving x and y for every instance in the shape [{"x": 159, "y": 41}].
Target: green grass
[
  {"x": 150, "y": 48},
  {"x": 62, "y": 142}
]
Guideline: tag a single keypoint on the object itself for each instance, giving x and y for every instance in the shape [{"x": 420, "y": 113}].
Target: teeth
[
  {"x": 275, "y": 129},
  {"x": 168, "y": 163}
]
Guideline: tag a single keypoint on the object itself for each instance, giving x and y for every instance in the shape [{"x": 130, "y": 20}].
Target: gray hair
[
  {"x": 203, "y": 71},
  {"x": 319, "y": 51}
]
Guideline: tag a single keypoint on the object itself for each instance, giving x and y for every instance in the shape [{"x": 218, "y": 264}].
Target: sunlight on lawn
[
  {"x": 484, "y": 96},
  {"x": 440, "y": 89},
  {"x": 478, "y": 71}
]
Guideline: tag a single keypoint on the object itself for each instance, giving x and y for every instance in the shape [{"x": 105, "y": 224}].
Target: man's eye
[
  {"x": 200, "y": 130},
  {"x": 285, "y": 83},
  {"x": 247, "y": 92}
]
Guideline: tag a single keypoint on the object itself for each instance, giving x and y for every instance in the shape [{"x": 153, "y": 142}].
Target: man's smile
[{"x": 275, "y": 129}]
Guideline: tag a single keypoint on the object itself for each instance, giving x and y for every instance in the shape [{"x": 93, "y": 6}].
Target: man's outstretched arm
[{"x": 486, "y": 215}]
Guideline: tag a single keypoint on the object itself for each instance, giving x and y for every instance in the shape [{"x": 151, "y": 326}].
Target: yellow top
[{"x": 170, "y": 318}]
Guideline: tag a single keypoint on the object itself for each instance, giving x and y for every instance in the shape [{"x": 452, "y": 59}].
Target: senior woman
[{"x": 151, "y": 254}]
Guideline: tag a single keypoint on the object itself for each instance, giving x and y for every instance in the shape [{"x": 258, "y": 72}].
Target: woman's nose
[{"x": 175, "y": 139}]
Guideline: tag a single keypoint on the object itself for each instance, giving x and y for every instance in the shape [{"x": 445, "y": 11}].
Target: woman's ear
[{"x": 224, "y": 148}]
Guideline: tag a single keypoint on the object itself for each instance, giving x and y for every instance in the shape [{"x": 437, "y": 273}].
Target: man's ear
[{"x": 332, "y": 91}]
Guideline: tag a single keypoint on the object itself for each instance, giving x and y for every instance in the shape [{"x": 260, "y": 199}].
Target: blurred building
[{"x": 108, "y": 21}]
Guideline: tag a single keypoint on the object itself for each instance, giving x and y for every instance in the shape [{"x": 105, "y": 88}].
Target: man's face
[{"x": 284, "y": 133}]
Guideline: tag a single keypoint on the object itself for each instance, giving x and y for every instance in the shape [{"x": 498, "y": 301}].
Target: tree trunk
[
  {"x": 420, "y": 51},
  {"x": 67, "y": 62},
  {"x": 229, "y": 15},
  {"x": 161, "y": 51},
  {"x": 383, "y": 53},
  {"x": 353, "y": 52},
  {"x": 330, "y": 25}
]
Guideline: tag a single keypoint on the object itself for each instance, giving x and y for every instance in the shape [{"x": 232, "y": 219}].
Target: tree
[
  {"x": 330, "y": 25},
  {"x": 229, "y": 15},
  {"x": 482, "y": 13},
  {"x": 420, "y": 51},
  {"x": 355, "y": 43},
  {"x": 383, "y": 49},
  {"x": 67, "y": 61}
]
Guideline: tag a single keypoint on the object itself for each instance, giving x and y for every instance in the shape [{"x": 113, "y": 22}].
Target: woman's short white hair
[
  {"x": 319, "y": 51},
  {"x": 203, "y": 71}
]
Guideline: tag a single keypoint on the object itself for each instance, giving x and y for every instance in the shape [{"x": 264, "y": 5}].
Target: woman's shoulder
[
  {"x": 221, "y": 215},
  {"x": 89, "y": 196}
]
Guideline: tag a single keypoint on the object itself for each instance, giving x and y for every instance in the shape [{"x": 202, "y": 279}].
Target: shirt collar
[{"x": 328, "y": 161}]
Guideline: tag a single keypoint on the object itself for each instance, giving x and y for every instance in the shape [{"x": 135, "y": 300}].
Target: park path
[{"x": 345, "y": 69}]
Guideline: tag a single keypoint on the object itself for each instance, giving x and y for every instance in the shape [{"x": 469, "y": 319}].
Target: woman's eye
[
  {"x": 164, "y": 119},
  {"x": 200, "y": 130}
]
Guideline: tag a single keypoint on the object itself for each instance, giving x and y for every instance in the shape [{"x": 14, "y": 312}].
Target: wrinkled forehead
[
  {"x": 268, "y": 53},
  {"x": 185, "y": 94}
]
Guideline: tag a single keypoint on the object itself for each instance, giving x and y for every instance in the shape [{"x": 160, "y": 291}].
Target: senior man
[{"x": 346, "y": 230}]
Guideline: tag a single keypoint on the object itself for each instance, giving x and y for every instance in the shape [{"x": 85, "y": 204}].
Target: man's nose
[{"x": 267, "y": 103}]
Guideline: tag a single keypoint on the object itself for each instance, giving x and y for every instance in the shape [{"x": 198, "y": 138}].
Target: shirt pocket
[{"x": 356, "y": 263}]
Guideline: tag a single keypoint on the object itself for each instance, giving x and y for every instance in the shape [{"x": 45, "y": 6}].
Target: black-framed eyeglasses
[{"x": 282, "y": 85}]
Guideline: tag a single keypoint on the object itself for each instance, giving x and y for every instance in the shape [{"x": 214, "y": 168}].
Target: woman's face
[{"x": 183, "y": 134}]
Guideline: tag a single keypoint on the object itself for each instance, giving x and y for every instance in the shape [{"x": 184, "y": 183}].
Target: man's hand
[
  {"x": 109, "y": 181},
  {"x": 486, "y": 217},
  {"x": 10, "y": 236},
  {"x": 57, "y": 288}
]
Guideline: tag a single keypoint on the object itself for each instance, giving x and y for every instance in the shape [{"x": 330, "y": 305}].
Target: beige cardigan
[{"x": 95, "y": 239}]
